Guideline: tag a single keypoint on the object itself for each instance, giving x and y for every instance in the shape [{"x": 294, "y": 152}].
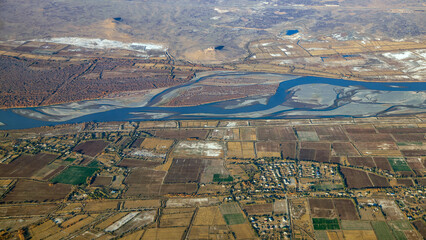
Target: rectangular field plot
[
  {"x": 322, "y": 208},
  {"x": 26, "y": 209},
  {"x": 356, "y": 225},
  {"x": 307, "y": 136},
  {"x": 331, "y": 133},
  {"x": 378, "y": 148},
  {"x": 243, "y": 231},
  {"x": 344, "y": 149},
  {"x": 288, "y": 150},
  {"x": 356, "y": 178},
  {"x": 361, "y": 162},
  {"x": 346, "y": 209},
  {"x": 24, "y": 191},
  {"x": 185, "y": 170},
  {"x": 74, "y": 175},
  {"x": 157, "y": 144},
  {"x": 176, "y": 220},
  {"x": 26, "y": 165},
  {"x": 91, "y": 148},
  {"x": 198, "y": 124},
  {"x": 276, "y": 133},
  {"x": 226, "y": 134},
  {"x": 382, "y": 230},
  {"x": 248, "y": 134},
  {"x": 325, "y": 224},
  {"x": 207, "y": 149},
  {"x": 229, "y": 208},
  {"x": 259, "y": 209},
  {"x": 382, "y": 163},
  {"x": 241, "y": 150},
  {"x": 234, "y": 218},
  {"x": 209, "y": 216},
  {"x": 232, "y": 213},
  {"x": 378, "y": 137},
  {"x": 399, "y": 164},
  {"x": 268, "y": 149},
  {"x": 360, "y": 234}
]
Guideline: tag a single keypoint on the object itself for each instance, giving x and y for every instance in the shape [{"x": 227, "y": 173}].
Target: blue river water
[{"x": 16, "y": 121}]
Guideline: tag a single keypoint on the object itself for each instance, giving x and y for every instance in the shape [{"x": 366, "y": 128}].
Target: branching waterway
[{"x": 295, "y": 97}]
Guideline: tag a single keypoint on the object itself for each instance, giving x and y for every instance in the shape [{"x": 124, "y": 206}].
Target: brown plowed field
[
  {"x": 288, "y": 150},
  {"x": 364, "y": 137},
  {"x": 26, "y": 165},
  {"x": 316, "y": 145},
  {"x": 356, "y": 178},
  {"x": 344, "y": 149},
  {"x": 322, "y": 156},
  {"x": 185, "y": 170},
  {"x": 413, "y": 153},
  {"x": 382, "y": 163},
  {"x": 379, "y": 181},
  {"x": 276, "y": 134},
  {"x": 91, "y": 148},
  {"x": 409, "y": 137},
  {"x": 29, "y": 191},
  {"x": 331, "y": 133},
  {"x": 362, "y": 161},
  {"x": 27, "y": 210},
  {"x": 307, "y": 154},
  {"x": 346, "y": 209},
  {"x": 322, "y": 208},
  {"x": 365, "y": 129}
]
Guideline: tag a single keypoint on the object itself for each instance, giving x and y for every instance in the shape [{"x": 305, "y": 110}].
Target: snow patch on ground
[
  {"x": 399, "y": 56},
  {"x": 97, "y": 43}
]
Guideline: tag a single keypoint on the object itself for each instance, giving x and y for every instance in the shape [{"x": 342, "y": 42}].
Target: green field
[
  {"x": 221, "y": 178},
  {"x": 75, "y": 175},
  {"x": 409, "y": 143},
  {"x": 399, "y": 164},
  {"x": 356, "y": 225},
  {"x": 235, "y": 218},
  {"x": 325, "y": 224},
  {"x": 70, "y": 159},
  {"x": 382, "y": 231},
  {"x": 398, "y": 226},
  {"x": 94, "y": 164}
]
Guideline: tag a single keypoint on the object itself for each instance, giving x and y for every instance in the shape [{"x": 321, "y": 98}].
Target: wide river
[{"x": 299, "y": 97}]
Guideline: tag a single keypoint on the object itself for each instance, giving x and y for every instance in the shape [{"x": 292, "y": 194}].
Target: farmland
[
  {"x": 74, "y": 175},
  {"x": 248, "y": 179}
]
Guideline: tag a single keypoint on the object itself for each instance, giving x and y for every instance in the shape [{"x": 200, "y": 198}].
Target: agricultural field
[
  {"x": 75, "y": 175},
  {"x": 26, "y": 165},
  {"x": 23, "y": 192},
  {"x": 159, "y": 145},
  {"x": 90, "y": 148},
  {"x": 325, "y": 224},
  {"x": 399, "y": 164},
  {"x": 240, "y": 179}
]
